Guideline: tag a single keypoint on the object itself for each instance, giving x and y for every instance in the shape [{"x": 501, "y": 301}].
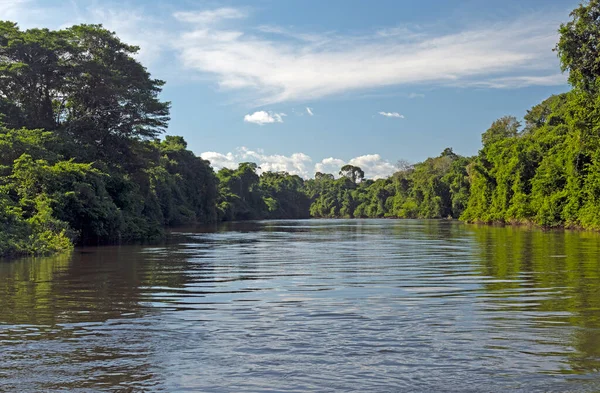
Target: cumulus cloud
[
  {"x": 373, "y": 165},
  {"x": 263, "y": 117},
  {"x": 219, "y": 160},
  {"x": 309, "y": 111},
  {"x": 392, "y": 114},
  {"x": 295, "y": 164},
  {"x": 300, "y": 164},
  {"x": 329, "y": 165}
]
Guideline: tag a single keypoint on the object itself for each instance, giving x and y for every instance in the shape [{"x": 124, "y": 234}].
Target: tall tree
[
  {"x": 579, "y": 46},
  {"x": 82, "y": 82},
  {"x": 352, "y": 172}
]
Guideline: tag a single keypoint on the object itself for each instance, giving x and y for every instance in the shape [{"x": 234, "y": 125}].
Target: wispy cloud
[
  {"x": 510, "y": 82},
  {"x": 271, "y": 64},
  {"x": 208, "y": 17},
  {"x": 279, "y": 69},
  {"x": 309, "y": 111},
  {"x": 392, "y": 114},
  {"x": 264, "y": 117},
  {"x": 10, "y": 8},
  {"x": 299, "y": 164},
  {"x": 133, "y": 25}
]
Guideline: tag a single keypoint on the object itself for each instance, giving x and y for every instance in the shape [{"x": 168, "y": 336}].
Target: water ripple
[{"x": 310, "y": 305}]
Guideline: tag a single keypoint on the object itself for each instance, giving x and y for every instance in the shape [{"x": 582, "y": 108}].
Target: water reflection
[
  {"x": 552, "y": 278},
  {"x": 310, "y": 305}
]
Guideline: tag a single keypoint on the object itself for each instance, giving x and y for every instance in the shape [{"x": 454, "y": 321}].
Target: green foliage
[
  {"x": 284, "y": 195},
  {"x": 32, "y": 232},
  {"x": 547, "y": 174},
  {"x": 184, "y": 185},
  {"x": 240, "y": 197},
  {"x": 352, "y": 172},
  {"x": 436, "y": 188},
  {"x": 78, "y": 156},
  {"x": 82, "y": 81},
  {"x": 244, "y": 195},
  {"x": 578, "y": 47}
]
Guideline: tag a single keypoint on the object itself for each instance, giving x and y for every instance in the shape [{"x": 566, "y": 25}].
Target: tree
[
  {"x": 284, "y": 195},
  {"x": 404, "y": 165},
  {"x": 579, "y": 46},
  {"x": 323, "y": 176},
  {"x": 352, "y": 172},
  {"x": 448, "y": 152},
  {"x": 82, "y": 82},
  {"x": 33, "y": 67},
  {"x": 240, "y": 196},
  {"x": 505, "y": 127}
]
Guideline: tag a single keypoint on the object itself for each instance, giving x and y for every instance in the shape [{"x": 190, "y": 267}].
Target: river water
[{"x": 310, "y": 305}]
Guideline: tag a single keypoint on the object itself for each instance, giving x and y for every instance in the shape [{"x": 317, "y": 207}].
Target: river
[{"x": 309, "y": 305}]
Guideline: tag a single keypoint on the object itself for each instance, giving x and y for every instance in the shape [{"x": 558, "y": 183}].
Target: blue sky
[{"x": 311, "y": 85}]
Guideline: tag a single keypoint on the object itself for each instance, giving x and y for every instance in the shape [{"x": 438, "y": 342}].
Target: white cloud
[
  {"x": 282, "y": 32},
  {"x": 299, "y": 164},
  {"x": 133, "y": 27},
  {"x": 330, "y": 165},
  {"x": 10, "y": 8},
  {"x": 263, "y": 117},
  {"x": 510, "y": 82},
  {"x": 295, "y": 164},
  {"x": 281, "y": 66},
  {"x": 309, "y": 111},
  {"x": 219, "y": 160},
  {"x": 416, "y": 95},
  {"x": 374, "y": 166},
  {"x": 209, "y": 16},
  {"x": 272, "y": 64},
  {"x": 392, "y": 114}
]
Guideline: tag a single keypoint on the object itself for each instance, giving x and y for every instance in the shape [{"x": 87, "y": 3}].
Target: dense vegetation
[
  {"x": 435, "y": 188},
  {"x": 81, "y": 161},
  {"x": 548, "y": 172},
  {"x": 79, "y": 157}
]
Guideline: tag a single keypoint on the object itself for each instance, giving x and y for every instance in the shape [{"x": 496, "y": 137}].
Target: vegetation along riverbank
[{"x": 81, "y": 160}]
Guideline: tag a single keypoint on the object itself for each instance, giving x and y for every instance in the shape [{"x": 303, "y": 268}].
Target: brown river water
[{"x": 309, "y": 306}]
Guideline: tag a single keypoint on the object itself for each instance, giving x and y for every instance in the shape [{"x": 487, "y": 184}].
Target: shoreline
[{"x": 514, "y": 224}]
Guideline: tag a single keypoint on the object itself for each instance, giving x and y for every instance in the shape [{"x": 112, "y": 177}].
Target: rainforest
[{"x": 82, "y": 160}]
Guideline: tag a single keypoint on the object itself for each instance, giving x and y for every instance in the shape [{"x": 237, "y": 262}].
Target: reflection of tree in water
[
  {"x": 26, "y": 289},
  {"x": 554, "y": 274},
  {"x": 84, "y": 320}
]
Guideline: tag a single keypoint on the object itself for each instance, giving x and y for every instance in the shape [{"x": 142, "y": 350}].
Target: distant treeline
[{"x": 81, "y": 162}]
